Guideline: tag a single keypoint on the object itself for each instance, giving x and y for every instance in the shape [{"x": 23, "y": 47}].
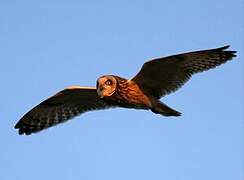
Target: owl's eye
[{"x": 108, "y": 82}]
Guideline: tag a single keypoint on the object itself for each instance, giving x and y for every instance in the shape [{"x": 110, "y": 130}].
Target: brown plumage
[
  {"x": 156, "y": 78},
  {"x": 128, "y": 95}
]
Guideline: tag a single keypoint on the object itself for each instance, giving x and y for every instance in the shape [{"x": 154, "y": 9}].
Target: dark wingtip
[
  {"x": 17, "y": 126},
  {"x": 23, "y": 128},
  {"x": 224, "y": 47},
  {"x": 230, "y": 54},
  {"x": 20, "y": 129},
  {"x": 21, "y": 132},
  {"x": 179, "y": 114},
  {"x": 25, "y": 131}
]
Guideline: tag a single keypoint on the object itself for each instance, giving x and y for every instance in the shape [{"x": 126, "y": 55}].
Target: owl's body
[
  {"x": 128, "y": 95},
  {"x": 156, "y": 79}
]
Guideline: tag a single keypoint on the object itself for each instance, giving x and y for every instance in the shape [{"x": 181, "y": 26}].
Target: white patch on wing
[{"x": 79, "y": 87}]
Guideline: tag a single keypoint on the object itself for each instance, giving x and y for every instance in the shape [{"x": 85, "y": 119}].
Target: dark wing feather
[
  {"x": 59, "y": 108},
  {"x": 162, "y": 76}
]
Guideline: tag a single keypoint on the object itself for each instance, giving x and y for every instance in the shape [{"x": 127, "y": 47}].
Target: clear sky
[{"x": 46, "y": 46}]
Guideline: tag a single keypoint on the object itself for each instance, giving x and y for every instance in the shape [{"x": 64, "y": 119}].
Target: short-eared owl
[{"x": 156, "y": 78}]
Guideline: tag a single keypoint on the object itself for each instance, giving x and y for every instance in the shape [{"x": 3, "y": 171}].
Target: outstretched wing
[
  {"x": 59, "y": 108},
  {"x": 162, "y": 76}
]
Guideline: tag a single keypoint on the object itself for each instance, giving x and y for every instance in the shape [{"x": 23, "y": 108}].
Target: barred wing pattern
[
  {"x": 162, "y": 76},
  {"x": 59, "y": 108}
]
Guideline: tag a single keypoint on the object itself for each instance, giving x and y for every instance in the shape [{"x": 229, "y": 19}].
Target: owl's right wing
[
  {"x": 59, "y": 108},
  {"x": 161, "y": 76}
]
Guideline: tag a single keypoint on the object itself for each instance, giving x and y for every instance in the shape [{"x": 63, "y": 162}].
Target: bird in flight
[{"x": 157, "y": 78}]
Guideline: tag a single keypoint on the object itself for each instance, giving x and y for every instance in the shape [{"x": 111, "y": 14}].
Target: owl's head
[{"x": 106, "y": 86}]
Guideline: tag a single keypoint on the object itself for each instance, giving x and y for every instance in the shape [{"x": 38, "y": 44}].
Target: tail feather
[{"x": 163, "y": 109}]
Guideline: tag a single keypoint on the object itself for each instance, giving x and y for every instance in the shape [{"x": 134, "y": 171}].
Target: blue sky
[{"x": 49, "y": 45}]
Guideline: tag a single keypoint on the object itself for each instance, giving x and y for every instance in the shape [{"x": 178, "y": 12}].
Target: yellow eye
[{"x": 108, "y": 82}]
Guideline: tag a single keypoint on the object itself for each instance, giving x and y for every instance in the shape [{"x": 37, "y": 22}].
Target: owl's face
[{"x": 106, "y": 86}]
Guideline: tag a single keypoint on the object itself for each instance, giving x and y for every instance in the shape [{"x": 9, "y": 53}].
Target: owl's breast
[{"x": 129, "y": 95}]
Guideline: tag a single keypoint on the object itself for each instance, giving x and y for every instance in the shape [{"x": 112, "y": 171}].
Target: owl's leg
[{"x": 163, "y": 109}]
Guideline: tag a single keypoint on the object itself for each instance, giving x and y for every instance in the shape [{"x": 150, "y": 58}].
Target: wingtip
[
  {"x": 21, "y": 132},
  {"x": 180, "y": 114},
  {"x": 22, "y": 128},
  {"x": 25, "y": 131},
  {"x": 17, "y": 126},
  {"x": 230, "y": 53},
  {"x": 224, "y": 47}
]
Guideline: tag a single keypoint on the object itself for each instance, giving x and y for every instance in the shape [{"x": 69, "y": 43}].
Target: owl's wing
[
  {"x": 59, "y": 108},
  {"x": 162, "y": 76}
]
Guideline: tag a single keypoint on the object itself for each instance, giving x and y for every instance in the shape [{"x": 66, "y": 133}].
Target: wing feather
[
  {"x": 162, "y": 76},
  {"x": 59, "y": 108}
]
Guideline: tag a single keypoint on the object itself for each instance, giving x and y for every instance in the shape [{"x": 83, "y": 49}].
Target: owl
[{"x": 156, "y": 79}]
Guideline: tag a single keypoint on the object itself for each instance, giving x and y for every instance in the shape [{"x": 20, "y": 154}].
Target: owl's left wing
[
  {"x": 59, "y": 108},
  {"x": 161, "y": 76}
]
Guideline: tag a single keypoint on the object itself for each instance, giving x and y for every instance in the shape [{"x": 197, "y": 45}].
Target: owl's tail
[{"x": 163, "y": 109}]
